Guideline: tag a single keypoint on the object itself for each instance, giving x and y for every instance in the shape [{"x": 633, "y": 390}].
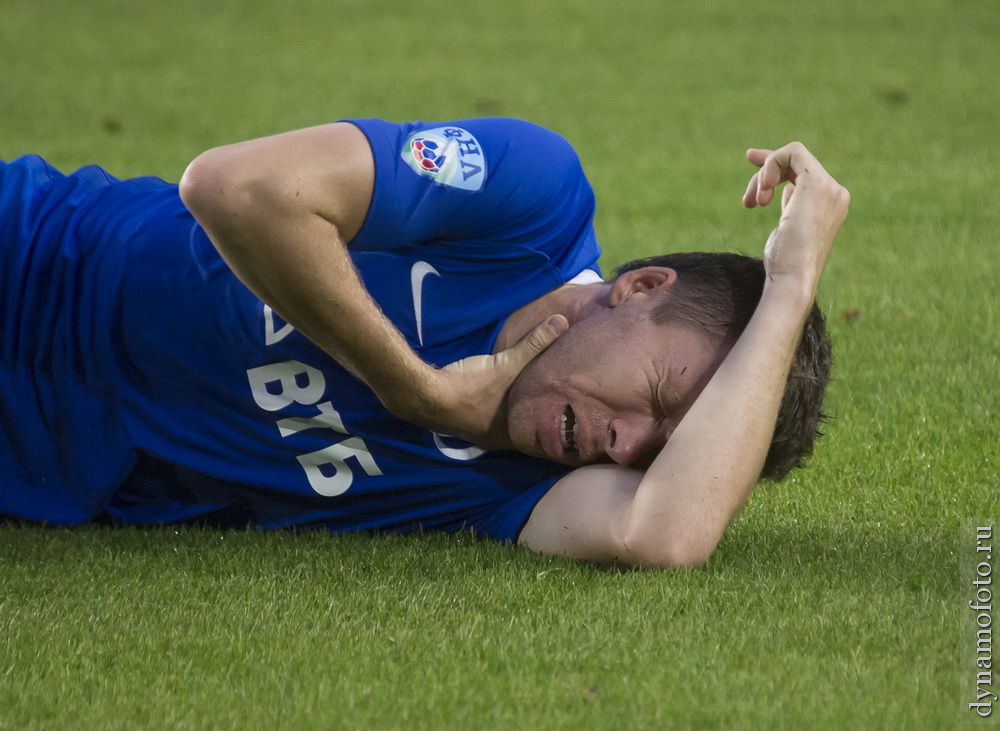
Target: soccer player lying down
[{"x": 388, "y": 327}]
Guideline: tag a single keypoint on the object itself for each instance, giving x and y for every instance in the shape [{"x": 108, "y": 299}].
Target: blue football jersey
[{"x": 146, "y": 381}]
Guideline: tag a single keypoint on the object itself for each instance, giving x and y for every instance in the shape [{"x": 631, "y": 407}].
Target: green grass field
[{"x": 835, "y": 601}]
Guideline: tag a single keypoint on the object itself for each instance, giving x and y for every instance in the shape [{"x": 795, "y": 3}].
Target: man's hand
[
  {"x": 467, "y": 398},
  {"x": 813, "y": 207}
]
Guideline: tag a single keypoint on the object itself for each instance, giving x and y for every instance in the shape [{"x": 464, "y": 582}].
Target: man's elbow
[
  {"x": 669, "y": 549},
  {"x": 219, "y": 186},
  {"x": 207, "y": 187}
]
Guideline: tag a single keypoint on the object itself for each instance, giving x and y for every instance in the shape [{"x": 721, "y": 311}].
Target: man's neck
[{"x": 573, "y": 301}]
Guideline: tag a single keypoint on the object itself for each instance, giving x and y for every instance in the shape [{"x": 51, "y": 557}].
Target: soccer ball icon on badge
[{"x": 428, "y": 154}]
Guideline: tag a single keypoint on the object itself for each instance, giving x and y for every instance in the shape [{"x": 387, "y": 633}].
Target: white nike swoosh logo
[
  {"x": 420, "y": 270},
  {"x": 462, "y": 453}
]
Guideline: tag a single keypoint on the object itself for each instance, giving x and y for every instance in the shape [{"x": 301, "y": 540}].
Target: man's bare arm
[
  {"x": 281, "y": 210},
  {"x": 676, "y": 512}
]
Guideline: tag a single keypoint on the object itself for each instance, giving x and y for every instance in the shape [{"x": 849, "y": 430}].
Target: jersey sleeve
[
  {"x": 505, "y": 522},
  {"x": 491, "y": 181}
]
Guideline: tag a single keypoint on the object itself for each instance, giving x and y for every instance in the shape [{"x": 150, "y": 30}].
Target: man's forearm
[
  {"x": 711, "y": 463},
  {"x": 294, "y": 258},
  {"x": 708, "y": 468}
]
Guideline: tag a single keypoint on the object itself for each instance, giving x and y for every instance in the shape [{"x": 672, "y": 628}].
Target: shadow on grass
[{"x": 917, "y": 559}]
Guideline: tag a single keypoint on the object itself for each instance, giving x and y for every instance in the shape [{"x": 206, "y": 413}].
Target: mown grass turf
[
  {"x": 834, "y": 601},
  {"x": 789, "y": 625}
]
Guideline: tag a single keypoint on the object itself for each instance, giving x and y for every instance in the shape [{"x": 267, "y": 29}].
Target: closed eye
[{"x": 660, "y": 401}]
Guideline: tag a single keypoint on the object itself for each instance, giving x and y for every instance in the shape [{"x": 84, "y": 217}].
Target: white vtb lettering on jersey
[{"x": 278, "y": 386}]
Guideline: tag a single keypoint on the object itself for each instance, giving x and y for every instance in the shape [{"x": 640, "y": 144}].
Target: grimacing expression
[{"x": 612, "y": 388}]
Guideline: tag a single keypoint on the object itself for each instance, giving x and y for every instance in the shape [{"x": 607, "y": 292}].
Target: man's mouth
[{"x": 570, "y": 429}]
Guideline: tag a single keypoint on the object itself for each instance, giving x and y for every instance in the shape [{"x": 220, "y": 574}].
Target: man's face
[{"x": 612, "y": 388}]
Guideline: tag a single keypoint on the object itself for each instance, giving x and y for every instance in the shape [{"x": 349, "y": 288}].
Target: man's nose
[{"x": 627, "y": 443}]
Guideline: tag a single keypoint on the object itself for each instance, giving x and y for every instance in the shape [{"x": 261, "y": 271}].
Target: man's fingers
[
  {"x": 757, "y": 193},
  {"x": 540, "y": 337},
  {"x": 760, "y": 189},
  {"x": 543, "y": 335},
  {"x": 750, "y": 195},
  {"x": 772, "y": 174},
  {"x": 474, "y": 387},
  {"x": 757, "y": 156},
  {"x": 783, "y": 165}
]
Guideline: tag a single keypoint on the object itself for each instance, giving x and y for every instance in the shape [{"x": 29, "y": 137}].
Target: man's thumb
[{"x": 540, "y": 337}]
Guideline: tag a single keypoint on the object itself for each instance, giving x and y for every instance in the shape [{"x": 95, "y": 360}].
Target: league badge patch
[{"x": 449, "y": 155}]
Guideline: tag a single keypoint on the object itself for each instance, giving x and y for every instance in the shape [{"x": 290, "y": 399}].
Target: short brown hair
[{"x": 718, "y": 293}]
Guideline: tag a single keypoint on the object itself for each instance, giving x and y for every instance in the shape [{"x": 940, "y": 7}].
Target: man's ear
[{"x": 646, "y": 279}]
